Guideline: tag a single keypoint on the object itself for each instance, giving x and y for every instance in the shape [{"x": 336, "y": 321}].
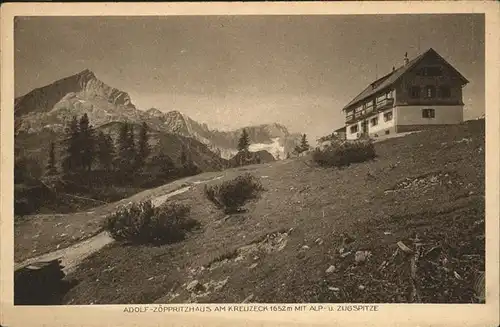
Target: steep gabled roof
[{"x": 391, "y": 78}]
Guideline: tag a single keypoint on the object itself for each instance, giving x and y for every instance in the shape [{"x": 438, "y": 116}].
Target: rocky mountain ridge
[{"x": 52, "y": 106}]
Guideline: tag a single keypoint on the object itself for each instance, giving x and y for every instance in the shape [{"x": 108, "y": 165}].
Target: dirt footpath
[{"x": 75, "y": 236}]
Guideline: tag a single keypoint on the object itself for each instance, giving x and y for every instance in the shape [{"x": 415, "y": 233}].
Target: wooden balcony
[
  {"x": 359, "y": 115},
  {"x": 385, "y": 103},
  {"x": 369, "y": 110}
]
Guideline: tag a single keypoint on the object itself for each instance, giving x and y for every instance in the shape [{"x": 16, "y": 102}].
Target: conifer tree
[
  {"x": 132, "y": 150},
  {"x": 244, "y": 141},
  {"x": 126, "y": 149},
  {"x": 304, "y": 145},
  {"x": 51, "y": 165},
  {"x": 72, "y": 161},
  {"x": 183, "y": 157},
  {"x": 87, "y": 143},
  {"x": 105, "y": 151},
  {"x": 187, "y": 164},
  {"x": 121, "y": 145},
  {"x": 143, "y": 149},
  {"x": 164, "y": 164}
]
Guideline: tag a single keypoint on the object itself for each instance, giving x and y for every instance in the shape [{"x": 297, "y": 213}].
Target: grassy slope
[
  {"x": 320, "y": 205},
  {"x": 42, "y": 233}
]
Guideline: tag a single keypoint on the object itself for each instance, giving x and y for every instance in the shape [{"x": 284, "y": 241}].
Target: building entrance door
[{"x": 364, "y": 127}]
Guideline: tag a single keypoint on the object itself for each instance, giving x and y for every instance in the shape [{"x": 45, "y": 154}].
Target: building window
[
  {"x": 354, "y": 129},
  {"x": 430, "y": 91},
  {"x": 388, "y": 116},
  {"x": 428, "y": 113},
  {"x": 415, "y": 92},
  {"x": 387, "y": 132},
  {"x": 374, "y": 121},
  {"x": 445, "y": 92}
]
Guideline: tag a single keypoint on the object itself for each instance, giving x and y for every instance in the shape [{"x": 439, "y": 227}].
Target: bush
[
  {"x": 30, "y": 198},
  {"x": 143, "y": 223},
  {"x": 232, "y": 195},
  {"x": 342, "y": 154}
]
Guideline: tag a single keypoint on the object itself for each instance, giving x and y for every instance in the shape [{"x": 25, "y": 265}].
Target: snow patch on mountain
[
  {"x": 53, "y": 106},
  {"x": 274, "y": 148},
  {"x": 227, "y": 153}
]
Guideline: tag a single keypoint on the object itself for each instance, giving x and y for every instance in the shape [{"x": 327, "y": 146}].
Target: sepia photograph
[{"x": 200, "y": 159}]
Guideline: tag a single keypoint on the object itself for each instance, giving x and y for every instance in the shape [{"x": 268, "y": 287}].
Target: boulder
[{"x": 330, "y": 269}]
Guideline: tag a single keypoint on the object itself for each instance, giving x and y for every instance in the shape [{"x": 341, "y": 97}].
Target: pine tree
[
  {"x": 126, "y": 149},
  {"x": 87, "y": 143},
  {"x": 132, "y": 153},
  {"x": 187, "y": 164},
  {"x": 143, "y": 149},
  {"x": 72, "y": 161},
  {"x": 105, "y": 151},
  {"x": 51, "y": 165},
  {"x": 165, "y": 164},
  {"x": 121, "y": 145},
  {"x": 304, "y": 145},
  {"x": 183, "y": 157},
  {"x": 244, "y": 141},
  {"x": 111, "y": 155}
]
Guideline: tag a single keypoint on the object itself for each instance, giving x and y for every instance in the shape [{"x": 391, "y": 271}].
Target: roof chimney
[
  {"x": 406, "y": 58},
  {"x": 393, "y": 68}
]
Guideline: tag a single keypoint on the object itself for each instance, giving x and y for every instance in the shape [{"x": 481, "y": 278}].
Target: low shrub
[
  {"x": 30, "y": 198},
  {"x": 143, "y": 223},
  {"x": 340, "y": 154},
  {"x": 232, "y": 195}
]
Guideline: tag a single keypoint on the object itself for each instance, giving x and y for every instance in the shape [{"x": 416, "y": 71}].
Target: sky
[{"x": 234, "y": 71}]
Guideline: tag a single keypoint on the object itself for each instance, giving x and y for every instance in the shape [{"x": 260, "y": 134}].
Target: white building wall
[
  {"x": 412, "y": 115},
  {"x": 382, "y": 125},
  {"x": 352, "y": 136}
]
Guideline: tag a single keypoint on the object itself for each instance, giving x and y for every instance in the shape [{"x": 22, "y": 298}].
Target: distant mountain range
[{"x": 46, "y": 111}]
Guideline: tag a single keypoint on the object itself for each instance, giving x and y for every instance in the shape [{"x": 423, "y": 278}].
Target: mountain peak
[
  {"x": 87, "y": 73},
  {"x": 174, "y": 113},
  {"x": 84, "y": 83},
  {"x": 155, "y": 112}
]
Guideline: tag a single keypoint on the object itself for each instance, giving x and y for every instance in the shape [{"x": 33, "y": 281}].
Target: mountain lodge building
[{"x": 425, "y": 91}]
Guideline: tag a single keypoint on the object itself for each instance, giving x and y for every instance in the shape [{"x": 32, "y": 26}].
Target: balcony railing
[
  {"x": 385, "y": 103},
  {"x": 369, "y": 110}
]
